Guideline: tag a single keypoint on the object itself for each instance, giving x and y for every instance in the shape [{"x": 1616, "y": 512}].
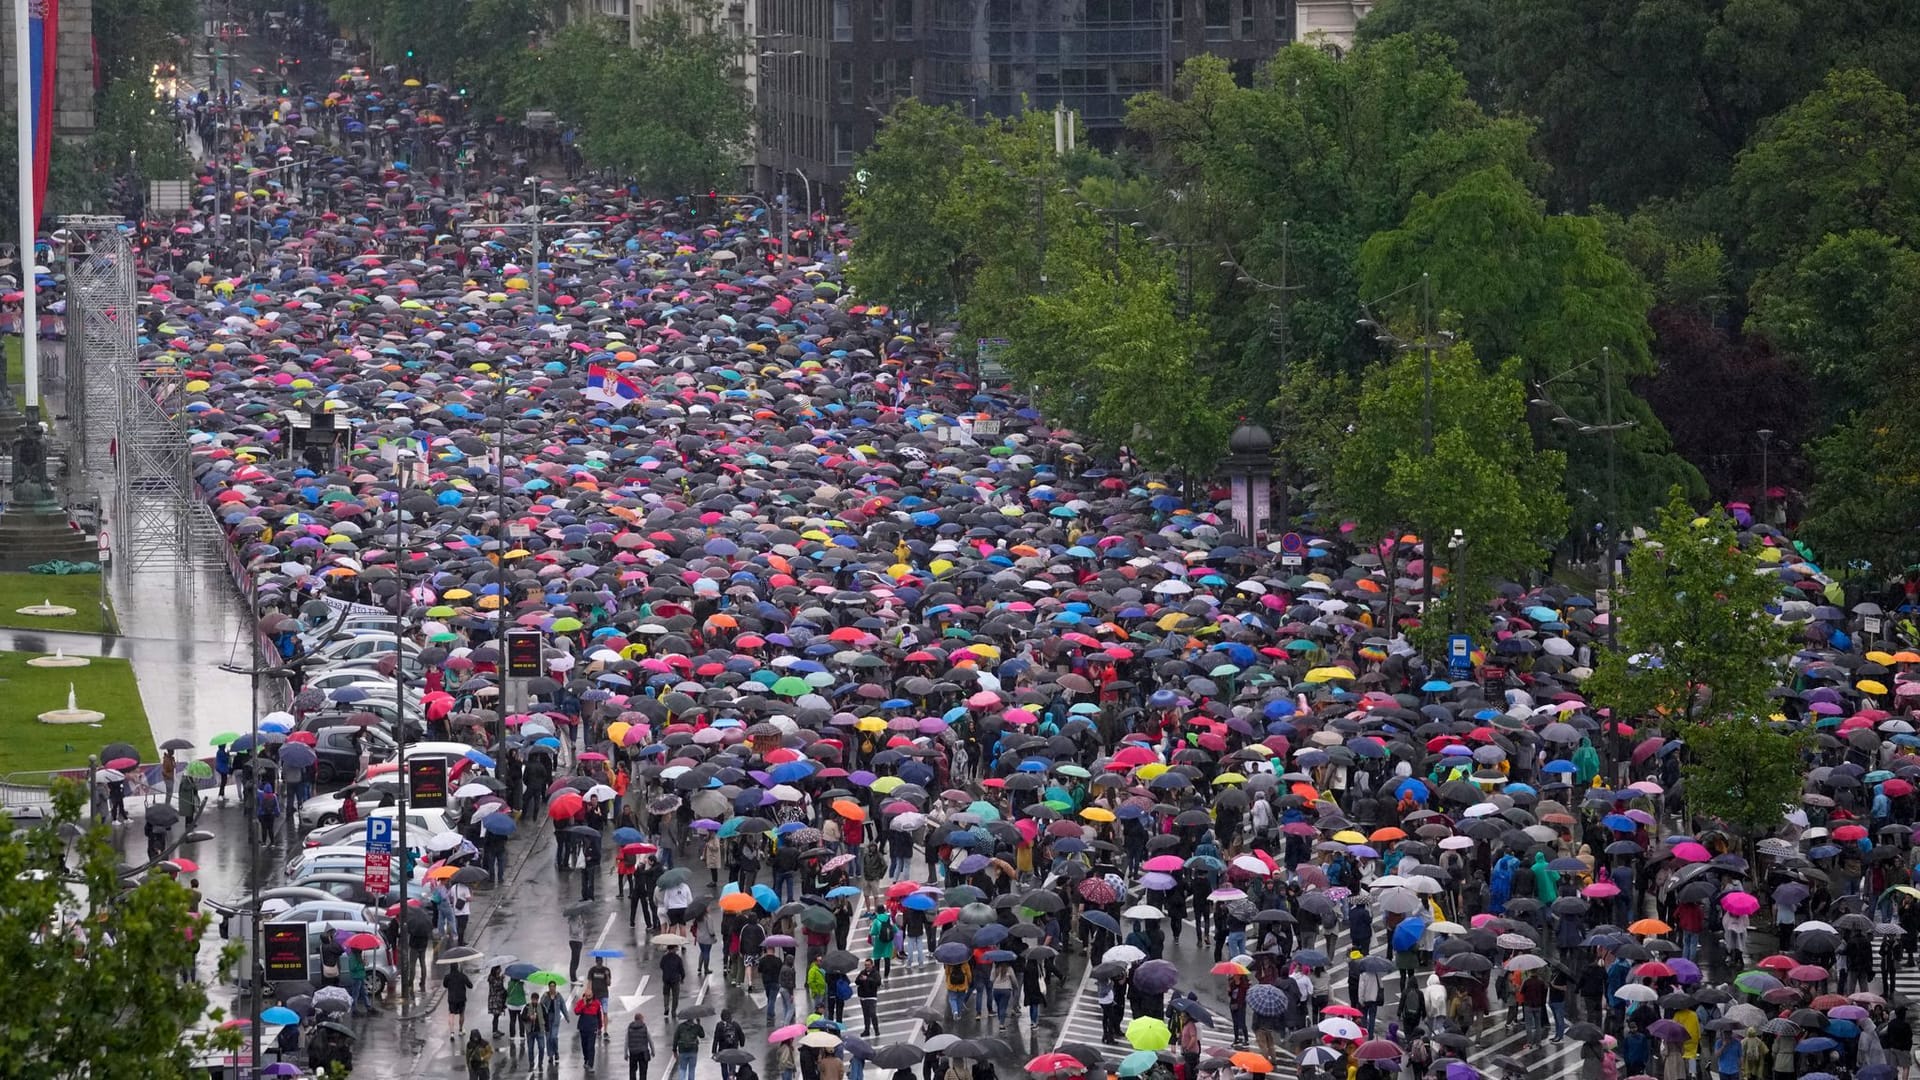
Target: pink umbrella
[
  {"x": 791, "y": 1031},
  {"x": 1739, "y": 903},
  {"x": 1691, "y": 851},
  {"x": 1600, "y": 890},
  {"x": 1807, "y": 973},
  {"x": 1165, "y": 864}
]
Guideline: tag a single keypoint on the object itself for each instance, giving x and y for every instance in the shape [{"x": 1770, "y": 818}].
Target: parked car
[
  {"x": 339, "y": 750},
  {"x": 420, "y": 823}
]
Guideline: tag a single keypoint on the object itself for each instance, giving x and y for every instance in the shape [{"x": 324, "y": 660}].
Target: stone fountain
[
  {"x": 45, "y": 608},
  {"x": 73, "y": 713},
  {"x": 59, "y": 659}
]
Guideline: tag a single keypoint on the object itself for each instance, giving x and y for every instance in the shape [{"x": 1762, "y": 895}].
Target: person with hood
[
  {"x": 1546, "y": 882},
  {"x": 882, "y": 933},
  {"x": 639, "y": 1047},
  {"x": 1500, "y": 887}
]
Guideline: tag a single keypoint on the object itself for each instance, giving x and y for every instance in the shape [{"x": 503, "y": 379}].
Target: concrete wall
[{"x": 73, "y": 88}]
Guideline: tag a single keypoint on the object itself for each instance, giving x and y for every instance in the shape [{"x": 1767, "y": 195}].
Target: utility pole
[
  {"x": 1280, "y": 328},
  {"x": 1608, "y": 428},
  {"x": 1429, "y": 340}
]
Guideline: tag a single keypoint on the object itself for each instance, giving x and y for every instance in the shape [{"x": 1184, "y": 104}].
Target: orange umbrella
[
  {"x": 849, "y": 809},
  {"x": 1251, "y": 1062},
  {"x": 1390, "y": 832},
  {"x": 1648, "y": 927},
  {"x": 734, "y": 903}
]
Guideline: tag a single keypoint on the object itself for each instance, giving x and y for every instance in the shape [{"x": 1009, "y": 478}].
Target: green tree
[
  {"x": 1484, "y": 476},
  {"x": 588, "y": 72},
  {"x": 1319, "y": 154},
  {"x": 1743, "y": 771},
  {"x": 1842, "y": 310},
  {"x": 1547, "y": 290},
  {"x": 1696, "y": 642},
  {"x": 103, "y": 958},
  {"x": 1701, "y": 76},
  {"x": 1865, "y": 500},
  {"x": 132, "y": 35},
  {"x": 915, "y": 244},
  {"x": 1841, "y": 159}
]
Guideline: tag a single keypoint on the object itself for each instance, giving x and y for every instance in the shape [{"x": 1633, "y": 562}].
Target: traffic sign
[
  {"x": 1292, "y": 544},
  {"x": 1460, "y": 653},
  {"x": 379, "y": 858},
  {"x": 1290, "y": 560}
]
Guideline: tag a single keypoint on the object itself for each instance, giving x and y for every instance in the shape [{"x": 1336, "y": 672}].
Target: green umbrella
[
  {"x": 565, "y": 624},
  {"x": 547, "y": 978},
  {"x": 224, "y": 738},
  {"x": 199, "y": 770},
  {"x": 1148, "y": 1033},
  {"x": 790, "y": 686}
]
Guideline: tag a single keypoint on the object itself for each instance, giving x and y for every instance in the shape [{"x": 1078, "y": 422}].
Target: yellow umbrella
[
  {"x": 1328, "y": 674},
  {"x": 1880, "y": 656},
  {"x": 1091, "y": 813},
  {"x": 871, "y": 723},
  {"x": 1151, "y": 770},
  {"x": 1348, "y": 836},
  {"x": 1229, "y": 778},
  {"x": 886, "y": 785},
  {"x": 1870, "y": 686}
]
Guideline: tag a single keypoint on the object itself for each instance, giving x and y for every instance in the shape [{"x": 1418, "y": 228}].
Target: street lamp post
[
  {"x": 1765, "y": 435},
  {"x": 402, "y": 464},
  {"x": 786, "y": 145},
  {"x": 1608, "y": 428},
  {"x": 1429, "y": 340}
]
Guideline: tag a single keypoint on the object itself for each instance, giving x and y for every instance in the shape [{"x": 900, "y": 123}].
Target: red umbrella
[
  {"x": 566, "y": 804},
  {"x": 1098, "y": 891},
  {"x": 363, "y": 941},
  {"x": 1055, "y": 1062}
]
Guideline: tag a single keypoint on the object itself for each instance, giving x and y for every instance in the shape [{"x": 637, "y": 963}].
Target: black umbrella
[{"x": 900, "y": 1055}]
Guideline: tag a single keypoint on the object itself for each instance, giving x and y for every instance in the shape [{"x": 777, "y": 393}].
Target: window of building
[
  {"x": 878, "y": 15},
  {"x": 842, "y": 143},
  {"x": 1246, "y": 20},
  {"x": 617, "y": 9},
  {"x": 903, "y": 19},
  {"x": 843, "y": 82},
  {"x": 1219, "y": 19},
  {"x": 843, "y": 20}
]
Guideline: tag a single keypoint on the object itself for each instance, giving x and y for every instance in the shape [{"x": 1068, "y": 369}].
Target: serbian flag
[
  {"x": 605, "y": 384},
  {"x": 43, "y": 45}
]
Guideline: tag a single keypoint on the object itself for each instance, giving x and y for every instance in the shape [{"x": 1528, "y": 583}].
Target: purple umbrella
[{"x": 1156, "y": 976}]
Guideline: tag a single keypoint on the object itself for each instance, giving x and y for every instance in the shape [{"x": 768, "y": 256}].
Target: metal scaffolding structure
[{"x": 133, "y": 406}]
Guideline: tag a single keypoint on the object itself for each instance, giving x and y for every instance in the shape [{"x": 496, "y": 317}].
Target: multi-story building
[{"x": 827, "y": 71}]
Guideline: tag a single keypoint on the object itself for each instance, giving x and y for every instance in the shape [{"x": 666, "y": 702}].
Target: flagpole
[{"x": 23, "y": 135}]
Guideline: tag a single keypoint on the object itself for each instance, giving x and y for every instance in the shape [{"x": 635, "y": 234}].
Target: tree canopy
[
  {"x": 1696, "y": 641},
  {"x": 1483, "y": 477},
  {"x": 684, "y": 133},
  {"x": 103, "y": 959}
]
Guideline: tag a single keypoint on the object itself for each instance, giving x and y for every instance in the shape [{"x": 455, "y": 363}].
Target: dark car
[{"x": 339, "y": 753}]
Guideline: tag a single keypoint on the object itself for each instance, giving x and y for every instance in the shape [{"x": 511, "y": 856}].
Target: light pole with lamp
[
  {"x": 1609, "y": 428},
  {"x": 785, "y": 135},
  {"x": 1427, "y": 342},
  {"x": 1765, "y": 435},
  {"x": 405, "y": 463}
]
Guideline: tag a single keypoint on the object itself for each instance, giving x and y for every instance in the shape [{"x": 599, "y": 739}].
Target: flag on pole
[
  {"x": 611, "y": 387},
  {"x": 43, "y": 48}
]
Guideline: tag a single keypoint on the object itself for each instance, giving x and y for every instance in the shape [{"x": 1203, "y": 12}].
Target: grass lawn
[
  {"x": 25, "y": 692},
  {"x": 80, "y": 592}
]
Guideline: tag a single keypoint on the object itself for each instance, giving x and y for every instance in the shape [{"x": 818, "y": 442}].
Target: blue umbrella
[
  {"x": 499, "y": 824},
  {"x": 521, "y": 970},
  {"x": 479, "y": 759},
  {"x": 1619, "y": 823},
  {"x": 627, "y": 834},
  {"x": 840, "y": 892},
  {"x": 279, "y": 1014},
  {"x": 606, "y": 954},
  {"x": 766, "y": 897},
  {"x": 731, "y": 827},
  {"x": 1815, "y": 1044},
  {"x": 1407, "y": 935},
  {"x": 920, "y": 902}
]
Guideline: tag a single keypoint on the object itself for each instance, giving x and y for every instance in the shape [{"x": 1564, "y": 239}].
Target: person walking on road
[
  {"x": 867, "y": 986},
  {"x": 727, "y": 1035},
  {"x": 478, "y": 1053},
  {"x": 673, "y": 972},
  {"x": 639, "y": 1047},
  {"x": 457, "y": 984},
  {"x": 587, "y": 1008},
  {"x": 687, "y": 1037}
]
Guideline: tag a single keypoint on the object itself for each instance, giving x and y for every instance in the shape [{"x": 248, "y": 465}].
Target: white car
[
  {"x": 421, "y": 825},
  {"x": 369, "y": 646},
  {"x": 364, "y": 677}
]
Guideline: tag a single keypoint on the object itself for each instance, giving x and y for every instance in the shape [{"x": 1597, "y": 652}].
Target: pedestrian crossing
[
  {"x": 1548, "y": 1061},
  {"x": 907, "y": 989}
]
